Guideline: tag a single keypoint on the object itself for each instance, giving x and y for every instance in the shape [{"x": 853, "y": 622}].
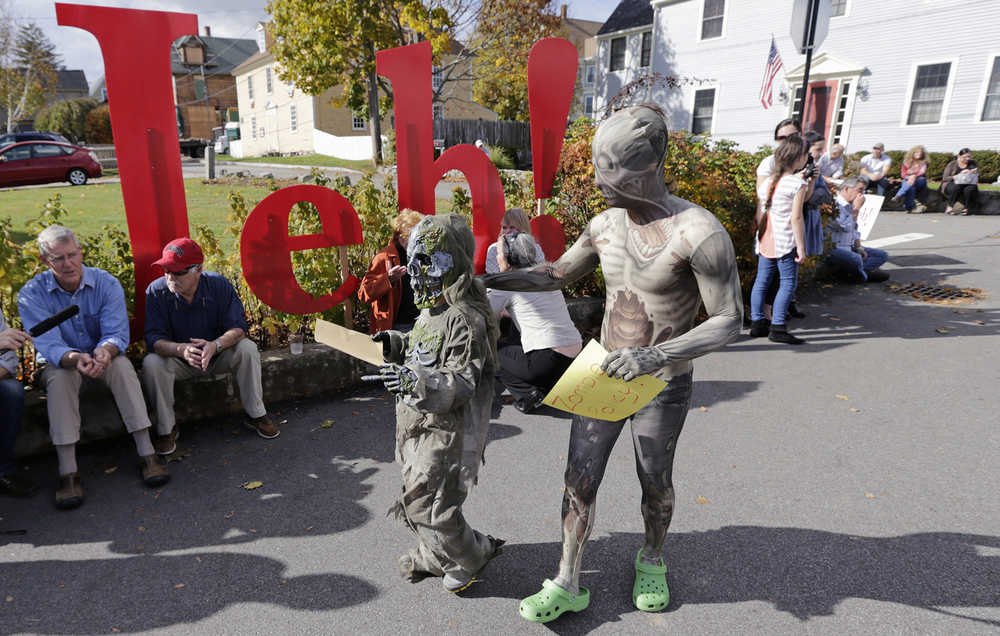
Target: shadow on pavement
[
  {"x": 148, "y": 592},
  {"x": 805, "y": 573}
]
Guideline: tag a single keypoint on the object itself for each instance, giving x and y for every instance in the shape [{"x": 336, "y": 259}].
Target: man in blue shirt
[
  {"x": 195, "y": 325},
  {"x": 11, "y": 405},
  {"x": 847, "y": 258},
  {"x": 84, "y": 349}
]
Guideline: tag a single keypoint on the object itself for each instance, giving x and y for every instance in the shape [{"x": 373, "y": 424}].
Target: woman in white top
[
  {"x": 549, "y": 339},
  {"x": 514, "y": 220},
  {"x": 780, "y": 238}
]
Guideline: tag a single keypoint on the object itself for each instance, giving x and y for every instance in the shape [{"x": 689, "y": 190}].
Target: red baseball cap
[{"x": 182, "y": 252}]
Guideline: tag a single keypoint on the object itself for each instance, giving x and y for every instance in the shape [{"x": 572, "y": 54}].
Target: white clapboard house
[{"x": 903, "y": 72}]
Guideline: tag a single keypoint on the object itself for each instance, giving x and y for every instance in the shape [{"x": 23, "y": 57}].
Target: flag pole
[{"x": 810, "y": 37}]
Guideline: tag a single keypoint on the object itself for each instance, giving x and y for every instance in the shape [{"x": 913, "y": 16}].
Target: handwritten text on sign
[{"x": 586, "y": 390}]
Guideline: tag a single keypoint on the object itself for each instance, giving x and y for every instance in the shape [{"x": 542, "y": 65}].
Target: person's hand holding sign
[{"x": 629, "y": 363}]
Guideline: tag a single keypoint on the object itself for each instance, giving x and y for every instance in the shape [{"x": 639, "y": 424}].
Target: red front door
[{"x": 818, "y": 113}]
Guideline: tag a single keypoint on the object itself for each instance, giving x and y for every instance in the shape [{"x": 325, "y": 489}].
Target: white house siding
[
  {"x": 883, "y": 41},
  {"x": 272, "y": 113}
]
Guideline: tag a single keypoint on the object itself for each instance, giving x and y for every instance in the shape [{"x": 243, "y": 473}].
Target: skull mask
[
  {"x": 629, "y": 151},
  {"x": 430, "y": 267}
]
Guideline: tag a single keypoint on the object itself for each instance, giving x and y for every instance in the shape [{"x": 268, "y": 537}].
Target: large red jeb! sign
[{"x": 136, "y": 48}]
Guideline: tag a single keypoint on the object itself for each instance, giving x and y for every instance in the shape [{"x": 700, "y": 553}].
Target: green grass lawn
[
  {"x": 94, "y": 205},
  {"x": 307, "y": 160}
]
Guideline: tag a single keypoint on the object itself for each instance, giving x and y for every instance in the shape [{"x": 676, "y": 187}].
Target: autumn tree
[
  {"x": 319, "y": 44},
  {"x": 504, "y": 34},
  {"x": 28, "y": 64}
]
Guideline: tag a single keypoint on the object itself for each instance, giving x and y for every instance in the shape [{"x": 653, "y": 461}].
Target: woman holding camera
[{"x": 781, "y": 243}]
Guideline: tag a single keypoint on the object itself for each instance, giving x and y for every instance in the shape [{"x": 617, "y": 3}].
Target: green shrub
[
  {"x": 988, "y": 161},
  {"x": 68, "y": 117},
  {"x": 98, "y": 126},
  {"x": 501, "y": 158}
]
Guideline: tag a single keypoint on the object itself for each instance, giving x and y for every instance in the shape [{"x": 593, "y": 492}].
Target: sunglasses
[{"x": 182, "y": 272}]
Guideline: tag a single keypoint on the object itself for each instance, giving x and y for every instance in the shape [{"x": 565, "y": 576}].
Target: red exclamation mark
[{"x": 551, "y": 81}]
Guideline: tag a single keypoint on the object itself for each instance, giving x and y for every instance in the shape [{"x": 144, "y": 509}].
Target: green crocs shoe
[
  {"x": 650, "y": 593},
  {"x": 550, "y": 603}
]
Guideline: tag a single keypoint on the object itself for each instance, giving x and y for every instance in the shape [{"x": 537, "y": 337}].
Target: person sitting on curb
[
  {"x": 85, "y": 349},
  {"x": 960, "y": 179},
  {"x": 847, "y": 258},
  {"x": 549, "y": 339},
  {"x": 195, "y": 326},
  {"x": 875, "y": 168},
  {"x": 831, "y": 165},
  {"x": 11, "y": 405},
  {"x": 914, "y": 173}
]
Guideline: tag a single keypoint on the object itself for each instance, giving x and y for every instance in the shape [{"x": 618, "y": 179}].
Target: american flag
[{"x": 770, "y": 72}]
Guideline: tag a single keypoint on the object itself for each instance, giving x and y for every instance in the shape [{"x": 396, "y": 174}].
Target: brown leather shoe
[
  {"x": 264, "y": 426},
  {"x": 154, "y": 471},
  {"x": 166, "y": 444},
  {"x": 70, "y": 492}
]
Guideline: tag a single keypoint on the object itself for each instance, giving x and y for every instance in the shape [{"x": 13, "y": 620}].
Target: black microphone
[{"x": 53, "y": 321}]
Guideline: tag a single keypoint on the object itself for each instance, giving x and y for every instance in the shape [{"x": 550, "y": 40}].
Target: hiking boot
[
  {"x": 70, "y": 492},
  {"x": 166, "y": 444},
  {"x": 263, "y": 426},
  {"x": 779, "y": 333},
  {"x": 16, "y": 486},
  {"x": 760, "y": 328},
  {"x": 154, "y": 471},
  {"x": 878, "y": 276}
]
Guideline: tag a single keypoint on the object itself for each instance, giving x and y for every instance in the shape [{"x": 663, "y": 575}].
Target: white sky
[{"x": 227, "y": 18}]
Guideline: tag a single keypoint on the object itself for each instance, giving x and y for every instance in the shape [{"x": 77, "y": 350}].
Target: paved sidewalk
[{"x": 847, "y": 486}]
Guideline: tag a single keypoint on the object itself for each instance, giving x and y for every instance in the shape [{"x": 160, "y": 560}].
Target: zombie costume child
[
  {"x": 442, "y": 375},
  {"x": 662, "y": 257}
]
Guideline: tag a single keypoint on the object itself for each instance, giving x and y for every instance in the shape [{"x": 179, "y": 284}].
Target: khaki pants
[
  {"x": 159, "y": 373},
  {"x": 62, "y": 387}
]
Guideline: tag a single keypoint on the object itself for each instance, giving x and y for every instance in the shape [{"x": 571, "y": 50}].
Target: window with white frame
[
  {"x": 358, "y": 122},
  {"x": 991, "y": 107},
  {"x": 645, "y": 49},
  {"x": 250, "y": 86},
  {"x": 841, "y": 115},
  {"x": 711, "y": 19},
  {"x": 588, "y": 79},
  {"x": 588, "y": 105},
  {"x": 293, "y": 118},
  {"x": 839, "y": 8},
  {"x": 268, "y": 80},
  {"x": 701, "y": 114},
  {"x": 929, "y": 88},
  {"x": 437, "y": 78},
  {"x": 617, "y": 58},
  {"x": 438, "y": 110},
  {"x": 253, "y": 127}
]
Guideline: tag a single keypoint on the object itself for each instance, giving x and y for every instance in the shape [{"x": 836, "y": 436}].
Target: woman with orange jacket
[{"x": 386, "y": 286}]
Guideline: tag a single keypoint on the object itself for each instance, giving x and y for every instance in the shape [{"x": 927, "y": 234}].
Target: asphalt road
[{"x": 847, "y": 486}]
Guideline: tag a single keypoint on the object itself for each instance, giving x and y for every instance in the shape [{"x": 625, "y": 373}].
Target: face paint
[{"x": 431, "y": 270}]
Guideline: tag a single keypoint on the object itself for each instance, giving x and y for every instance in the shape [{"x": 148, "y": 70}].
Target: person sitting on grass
[{"x": 847, "y": 259}]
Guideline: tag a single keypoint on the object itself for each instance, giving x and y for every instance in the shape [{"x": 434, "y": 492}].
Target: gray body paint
[{"x": 662, "y": 257}]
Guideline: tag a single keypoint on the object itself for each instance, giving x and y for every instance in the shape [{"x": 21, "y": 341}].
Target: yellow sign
[{"x": 586, "y": 390}]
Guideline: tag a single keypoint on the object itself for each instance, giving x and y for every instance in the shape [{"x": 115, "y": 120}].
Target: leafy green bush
[
  {"x": 68, "y": 117},
  {"x": 501, "y": 158},
  {"x": 98, "y": 126},
  {"x": 988, "y": 161}
]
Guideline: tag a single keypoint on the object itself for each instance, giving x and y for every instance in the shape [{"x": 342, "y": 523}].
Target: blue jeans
[
  {"x": 880, "y": 186},
  {"x": 851, "y": 265},
  {"x": 788, "y": 278},
  {"x": 11, "y": 405},
  {"x": 910, "y": 192}
]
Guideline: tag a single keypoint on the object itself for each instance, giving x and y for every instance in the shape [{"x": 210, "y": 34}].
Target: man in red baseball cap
[{"x": 195, "y": 325}]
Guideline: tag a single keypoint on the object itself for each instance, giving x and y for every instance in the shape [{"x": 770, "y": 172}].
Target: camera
[{"x": 810, "y": 169}]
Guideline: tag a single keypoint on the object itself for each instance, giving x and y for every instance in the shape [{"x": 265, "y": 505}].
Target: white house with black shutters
[{"x": 903, "y": 72}]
